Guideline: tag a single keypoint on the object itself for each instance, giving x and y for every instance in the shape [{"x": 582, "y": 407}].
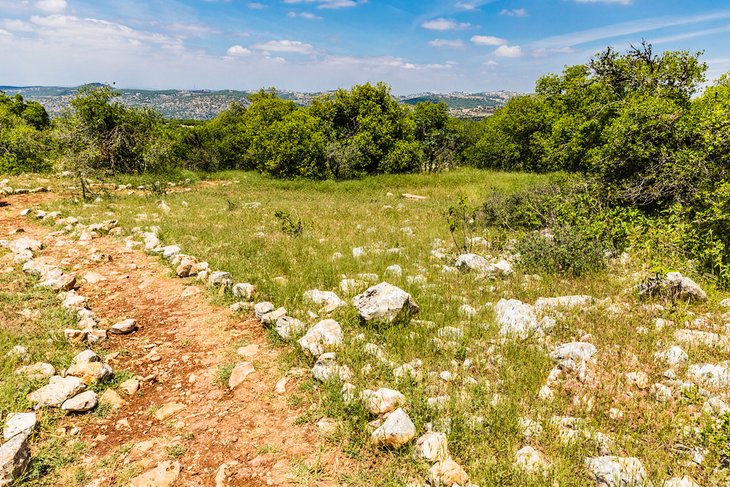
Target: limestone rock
[
  {"x": 273, "y": 316},
  {"x": 610, "y": 471},
  {"x": 710, "y": 374},
  {"x": 288, "y": 327},
  {"x": 112, "y": 398},
  {"x": 244, "y": 290},
  {"x": 168, "y": 410},
  {"x": 57, "y": 391},
  {"x": 130, "y": 386},
  {"x": 382, "y": 400},
  {"x": 80, "y": 403},
  {"x": 260, "y": 309},
  {"x": 220, "y": 279},
  {"x": 322, "y": 337},
  {"x": 385, "y": 302},
  {"x": 124, "y": 327},
  {"x": 516, "y": 318},
  {"x": 326, "y": 300},
  {"x": 239, "y": 374},
  {"x": 447, "y": 473},
  {"x": 326, "y": 369},
  {"x": 684, "y": 288},
  {"x": 19, "y": 424},
  {"x": 164, "y": 475},
  {"x": 90, "y": 372},
  {"x": 680, "y": 482},
  {"x": 673, "y": 356},
  {"x": 564, "y": 302},
  {"x": 531, "y": 461},
  {"x": 432, "y": 446},
  {"x": 14, "y": 457},
  {"x": 396, "y": 431},
  {"x": 40, "y": 370},
  {"x": 578, "y": 351}
]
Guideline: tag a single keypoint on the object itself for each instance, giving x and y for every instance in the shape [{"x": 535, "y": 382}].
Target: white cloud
[
  {"x": 508, "y": 51},
  {"x": 256, "y": 5},
  {"x": 192, "y": 30},
  {"x": 515, "y": 12},
  {"x": 446, "y": 43},
  {"x": 238, "y": 50},
  {"x": 628, "y": 28},
  {"x": 491, "y": 62},
  {"x": 471, "y": 5},
  {"x": 617, "y": 2},
  {"x": 445, "y": 24},
  {"x": 53, "y": 6},
  {"x": 296, "y": 47},
  {"x": 488, "y": 41},
  {"x": 304, "y": 15},
  {"x": 542, "y": 51},
  {"x": 330, "y": 4}
]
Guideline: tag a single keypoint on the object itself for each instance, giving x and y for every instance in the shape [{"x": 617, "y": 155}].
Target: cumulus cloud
[
  {"x": 303, "y": 15},
  {"x": 446, "y": 43},
  {"x": 488, "y": 41},
  {"x": 445, "y": 24},
  {"x": 238, "y": 50},
  {"x": 53, "y": 6},
  {"x": 285, "y": 45},
  {"x": 508, "y": 51}
]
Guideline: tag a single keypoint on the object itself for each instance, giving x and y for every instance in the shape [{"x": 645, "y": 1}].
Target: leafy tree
[
  {"x": 24, "y": 139},
  {"x": 437, "y": 134}
]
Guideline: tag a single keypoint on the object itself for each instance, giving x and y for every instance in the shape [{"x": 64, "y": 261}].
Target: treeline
[{"x": 347, "y": 134}]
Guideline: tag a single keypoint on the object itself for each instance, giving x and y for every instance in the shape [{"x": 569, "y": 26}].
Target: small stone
[
  {"x": 280, "y": 387},
  {"x": 40, "y": 370},
  {"x": 386, "y": 303},
  {"x": 75, "y": 337},
  {"x": 164, "y": 475},
  {"x": 168, "y": 410},
  {"x": 288, "y": 327},
  {"x": 86, "y": 401},
  {"x": 531, "y": 461},
  {"x": 578, "y": 351},
  {"x": 112, "y": 398},
  {"x": 610, "y": 471},
  {"x": 124, "y": 327},
  {"x": 396, "y": 431},
  {"x": 326, "y": 300},
  {"x": 249, "y": 351},
  {"x": 244, "y": 290},
  {"x": 432, "y": 446},
  {"x": 327, "y": 426},
  {"x": 382, "y": 400},
  {"x": 680, "y": 482},
  {"x": 326, "y": 369},
  {"x": 447, "y": 473},
  {"x": 14, "y": 458},
  {"x": 90, "y": 372},
  {"x": 260, "y": 309},
  {"x": 130, "y": 386},
  {"x": 272, "y": 316},
  {"x": 638, "y": 379},
  {"x": 322, "y": 337},
  {"x": 239, "y": 374}
]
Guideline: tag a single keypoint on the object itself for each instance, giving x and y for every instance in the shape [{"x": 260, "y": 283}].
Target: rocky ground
[{"x": 172, "y": 420}]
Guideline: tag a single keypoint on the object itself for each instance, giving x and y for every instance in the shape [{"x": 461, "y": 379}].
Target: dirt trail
[{"x": 250, "y": 429}]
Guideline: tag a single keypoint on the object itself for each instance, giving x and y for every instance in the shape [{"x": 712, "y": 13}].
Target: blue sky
[{"x": 313, "y": 45}]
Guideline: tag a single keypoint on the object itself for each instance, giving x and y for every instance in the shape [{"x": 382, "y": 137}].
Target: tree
[{"x": 24, "y": 139}]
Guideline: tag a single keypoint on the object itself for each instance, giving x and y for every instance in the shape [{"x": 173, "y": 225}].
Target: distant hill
[{"x": 206, "y": 104}]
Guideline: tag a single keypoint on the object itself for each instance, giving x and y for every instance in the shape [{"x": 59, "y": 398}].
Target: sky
[{"x": 317, "y": 45}]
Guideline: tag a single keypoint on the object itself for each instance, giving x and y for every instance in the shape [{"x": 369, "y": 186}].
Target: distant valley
[{"x": 206, "y": 104}]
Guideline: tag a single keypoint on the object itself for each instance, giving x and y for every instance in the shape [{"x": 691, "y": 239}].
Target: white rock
[
  {"x": 326, "y": 300},
  {"x": 394, "y": 270},
  {"x": 220, "y": 279},
  {"x": 684, "y": 288},
  {"x": 699, "y": 337},
  {"x": 19, "y": 423},
  {"x": 124, "y": 327},
  {"x": 516, "y": 318},
  {"x": 710, "y": 375},
  {"x": 610, "y": 471},
  {"x": 86, "y": 401},
  {"x": 273, "y": 316},
  {"x": 351, "y": 286},
  {"x": 322, "y": 337},
  {"x": 531, "y": 461},
  {"x": 660, "y": 392},
  {"x": 432, "y": 446},
  {"x": 673, "y": 356},
  {"x": 472, "y": 262},
  {"x": 260, "y": 309},
  {"x": 40, "y": 370},
  {"x": 288, "y": 327},
  {"x": 150, "y": 241},
  {"x": 563, "y": 302},
  {"x": 14, "y": 457},
  {"x": 382, "y": 400},
  {"x": 467, "y": 311},
  {"x": 244, "y": 290},
  {"x": 578, "y": 351},
  {"x": 57, "y": 391},
  {"x": 385, "y": 302},
  {"x": 85, "y": 356},
  {"x": 396, "y": 431},
  {"x": 680, "y": 482},
  {"x": 326, "y": 369},
  {"x": 725, "y": 303},
  {"x": 239, "y": 374},
  {"x": 447, "y": 473}
]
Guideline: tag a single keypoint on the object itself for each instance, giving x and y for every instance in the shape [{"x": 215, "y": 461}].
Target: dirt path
[{"x": 250, "y": 430}]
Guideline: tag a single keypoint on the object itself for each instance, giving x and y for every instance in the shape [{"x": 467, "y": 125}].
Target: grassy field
[{"x": 230, "y": 222}]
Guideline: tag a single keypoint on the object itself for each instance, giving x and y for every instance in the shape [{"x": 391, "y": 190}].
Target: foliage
[
  {"x": 461, "y": 218},
  {"x": 289, "y": 225},
  {"x": 24, "y": 139}
]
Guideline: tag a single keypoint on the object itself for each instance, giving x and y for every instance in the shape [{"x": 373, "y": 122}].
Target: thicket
[
  {"x": 646, "y": 145},
  {"x": 24, "y": 140}
]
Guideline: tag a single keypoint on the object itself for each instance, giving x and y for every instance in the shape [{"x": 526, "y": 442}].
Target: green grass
[{"x": 230, "y": 222}]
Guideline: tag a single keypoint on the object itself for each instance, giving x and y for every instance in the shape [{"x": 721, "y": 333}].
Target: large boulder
[
  {"x": 323, "y": 337},
  {"x": 684, "y": 288},
  {"x": 609, "y": 471},
  {"x": 385, "y": 303}
]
